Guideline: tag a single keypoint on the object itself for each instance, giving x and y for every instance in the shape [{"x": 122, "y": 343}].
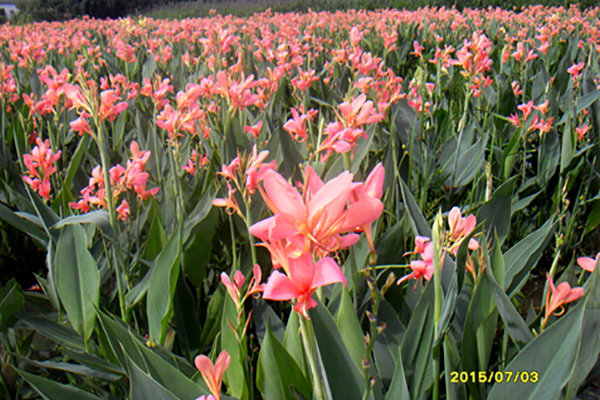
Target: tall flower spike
[{"x": 213, "y": 374}]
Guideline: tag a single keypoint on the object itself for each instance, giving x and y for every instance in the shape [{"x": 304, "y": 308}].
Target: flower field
[{"x": 349, "y": 205}]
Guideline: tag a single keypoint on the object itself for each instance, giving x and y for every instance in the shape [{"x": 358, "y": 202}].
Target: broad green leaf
[
  {"x": 168, "y": 375},
  {"x": 277, "y": 372},
  {"x": 264, "y": 317},
  {"x": 77, "y": 369},
  {"x": 11, "y": 302},
  {"x": 418, "y": 223},
  {"x": 478, "y": 335},
  {"x": 212, "y": 322},
  {"x": 520, "y": 258},
  {"x": 589, "y": 349},
  {"x": 51, "y": 390},
  {"x": 157, "y": 238},
  {"x": 516, "y": 326},
  {"x": 496, "y": 213},
  {"x": 143, "y": 386},
  {"x": 197, "y": 255},
  {"x": 75, "y": 162},
  {"x": 398, "y": 389},
  {"x": 60, "y": 333},
  {"x": 198, "y": 214},
  {"x": 345, "y": 381},
  {"x": 162, "y": 287},
  {"x": 101, "y": 218},
  {"x": 186, "y": 319},
  {"x": 587, "y": 100},
  {"x": 417, "y": 344},
  {"x": 23, "y": 224},
  {"x": 549, "y": 359},
  {"x": 77, "y": 279},
  {"x": 348, "y": 323},
  {"x": 293, "y": 342}
]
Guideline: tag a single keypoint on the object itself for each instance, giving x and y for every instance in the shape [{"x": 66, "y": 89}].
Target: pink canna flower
[
  {"x": 588, "y": 263},
  {"x": 316, "y": 220},
  {"x": 359, "y": 112},
  {"x": 296, "y": 126},
  {"x": 213, "y": 374},
  {"x": 421, "y": 270},
  {"x": 40, "y": 166},
  {"x": 301, "y": 281},
  {"x": 581, "y": 131},
  {"x": 254, "y": 130},
  {"x": 557, "y": 296},
  {"x": 234, "y": 286}
]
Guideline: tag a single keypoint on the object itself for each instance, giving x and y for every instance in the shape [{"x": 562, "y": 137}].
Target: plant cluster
[{"x": 238, "y": 207}]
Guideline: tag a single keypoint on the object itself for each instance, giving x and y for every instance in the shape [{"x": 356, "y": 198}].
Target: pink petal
[
  {"x": 283, "y": 195},
  {"x": 327, "y": 272},
  {"x": 332, "y": 196},
  {"x": 587, "y": 263},
  {"x": 361, "y": 213},
  {"x": 280, "y": 287}
]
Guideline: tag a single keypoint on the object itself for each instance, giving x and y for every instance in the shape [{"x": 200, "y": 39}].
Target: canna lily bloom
[
  {"x": 421, "y": 270},
  {"x": 303, "y": 278},
  {"x": 588, "y": 263},
  {"x": 316, "y": 220},
  {"x": 254, "y": 130},
  {"x": 557, "y": 296},
  {"x": 213, "y": 374},
  {"x": 234, "y": 286},
  {"x": 359, "y": 112},
  {"x": 40, "y": 166}
]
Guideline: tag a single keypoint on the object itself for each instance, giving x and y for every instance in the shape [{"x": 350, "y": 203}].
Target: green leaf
[
  {"x": 197, "y": 255},
  {"x": 345, "y": 381},
  {"x": 198, "y": 214},
  {"x": 162, "y": 287},
  {"x": 496, "y": 213},
  {"x": 478, "y": 335},
  {"x": 101, "y": 218},
  {"x": 186, "y": 319},
  {"x": 293, "y": 342},
  {"x": 264, "y": 317},
  {"x": 277, "y": 372},
  {"x": 520, "y": 258},
  {"x": 213, "y": 317},
  {"x": 59, "y": 333},
  {"x": 51, "y": 390},
  {"x": 156, "y": 237},
  {"x": 587, "y": 100},
  {"x": 417, "y": 344},
  {"x": 418, "y": 223},
  {"x": 77, "y": 279},
  {"x": 347, "y": 323},
  {"x": 517, "y": 328},
  {"x": 589, "y": 349},
  {"x": 75, "y": 163},
  {"x": 23, "y": 224},
  {"x": 144, "y": 387},
  {"x": 551, "y": 356},
  {"x": 11, "y": 302},
  {"x": 398, "y": 389}
]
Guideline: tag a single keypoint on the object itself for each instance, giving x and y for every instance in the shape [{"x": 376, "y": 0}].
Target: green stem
[
  {"x": 113, "y": 220},
  {"x": 437, "y": 281},
  {"x": 250, "y": 237},
  {"x": 320, "y": 385},
  {"x": 233, "y": 250}
]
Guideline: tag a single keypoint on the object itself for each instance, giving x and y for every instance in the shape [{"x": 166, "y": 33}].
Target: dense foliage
[{"x": 347, "y": 205}]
